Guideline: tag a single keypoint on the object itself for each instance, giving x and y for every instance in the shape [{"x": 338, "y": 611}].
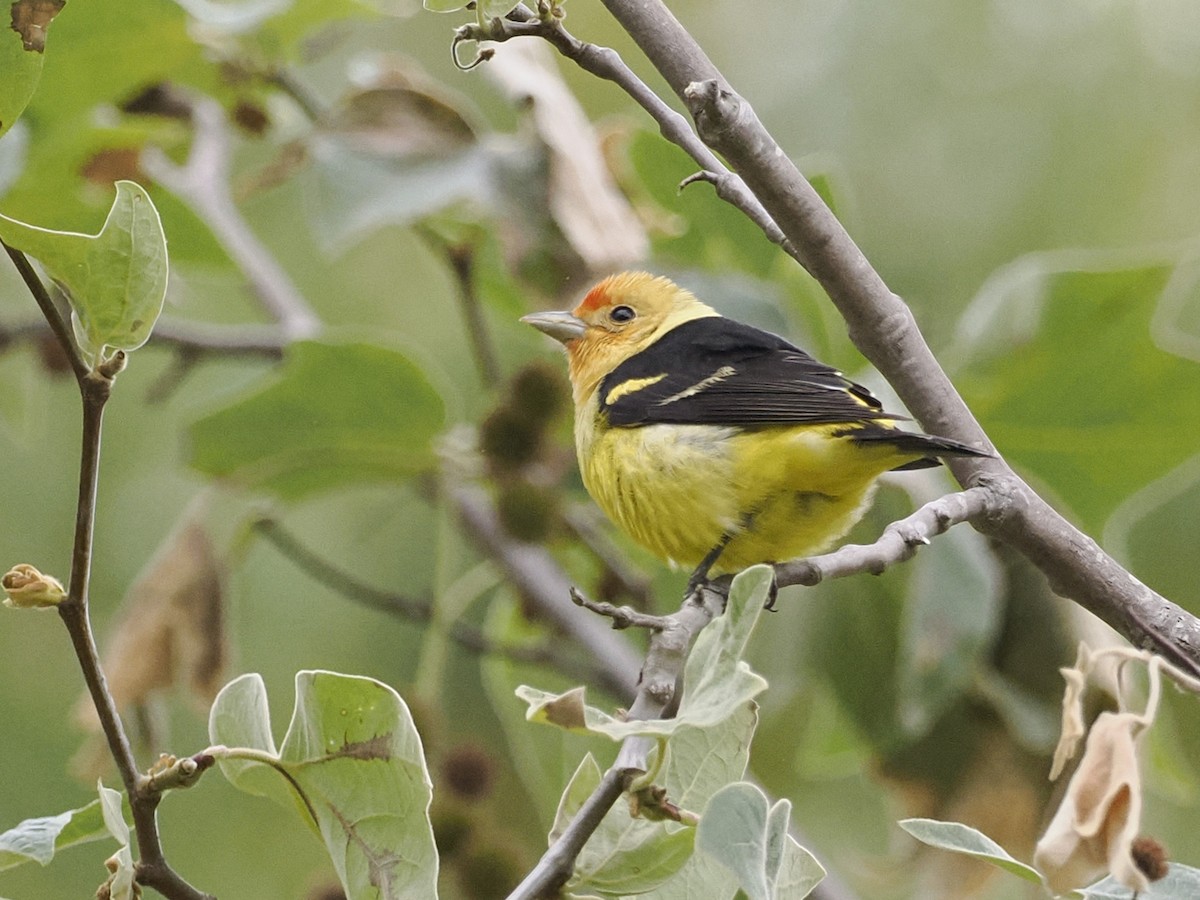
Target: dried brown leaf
[
  {"x": 1095, "y": 826},
  {"x": 400, "y": 122},
  {"x": 172, "y": 628},
  {"x": 31, "y": 19},
  {"x": 585, "y": 202}
]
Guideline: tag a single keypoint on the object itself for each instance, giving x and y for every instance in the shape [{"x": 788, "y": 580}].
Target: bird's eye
[{"x": 622, "y": 314}]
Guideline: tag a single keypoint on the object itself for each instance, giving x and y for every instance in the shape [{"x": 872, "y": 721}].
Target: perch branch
[{"x": 899, "y": 542}]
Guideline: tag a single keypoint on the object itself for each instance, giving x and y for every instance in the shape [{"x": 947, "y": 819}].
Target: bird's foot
[{"x": 772, "y": 593}]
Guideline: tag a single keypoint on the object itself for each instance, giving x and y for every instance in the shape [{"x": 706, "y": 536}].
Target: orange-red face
[{"x": 620, "y": 316}]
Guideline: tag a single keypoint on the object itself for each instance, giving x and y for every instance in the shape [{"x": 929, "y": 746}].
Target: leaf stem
[{"x": 261, "y": 756}]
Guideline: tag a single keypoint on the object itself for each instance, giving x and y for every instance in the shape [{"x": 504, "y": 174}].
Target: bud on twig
[{"x": 27, "y": 588}]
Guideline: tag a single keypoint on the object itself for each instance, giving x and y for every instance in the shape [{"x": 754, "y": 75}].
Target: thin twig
[
  {"x": 461, "y": 260},
  {"x": 606, "y": 63},
  {"x": 670, "y": 642},
  {"x": 622, "y": 616},
  {"x": 466, "y": 635},
  {"x": 203, "y": 184},
  {"x": 95, "y": 388},
  {"x": 152, "y": 868},
  {"x": 62, "y": 331}
]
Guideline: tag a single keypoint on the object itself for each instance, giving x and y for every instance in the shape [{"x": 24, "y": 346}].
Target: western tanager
[{"x": 714, "y": 444}]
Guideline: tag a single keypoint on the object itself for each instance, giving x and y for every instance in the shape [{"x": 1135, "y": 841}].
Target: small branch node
[
  {"x": 622, "y": 616},
  {"x": 660, "y": 690},
  {"x": 702, "y": 176},
  {"x": 113, "y": 366},
  {"x": 170, "y": 773}
]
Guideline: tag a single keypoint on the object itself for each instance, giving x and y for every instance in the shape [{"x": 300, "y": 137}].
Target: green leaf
[
  {"x": 716, "y": 678},
  {"x": 1071, "y": 369},
  {"x": 628, "y": 855},
  {"x": 799, "y": 872},
  {"x": 37, "y": 840},
  {"x": 1180, "y": 883},
  {"x": 22, "y": 50},
  {"x": 351, "y": 194},
  {"x": 120, "y": 881},
  {"x": 582, "y": 785},
  {"x": 115, "y": 280},
  {"x": 701, "y": 876},
  {"x": 963, "y": 839},
  {"x": 639, "y": 860},
  {"x": 335, "y": 414},
  {"x": 241, "y": 717},
  {"x": 716, "y": 681},
  {"x": 111, "y": 808},
  {"x": 1149, "y": 532},
  {"x": 750, "y": 838},
  {"x": 355, "y": 759}
]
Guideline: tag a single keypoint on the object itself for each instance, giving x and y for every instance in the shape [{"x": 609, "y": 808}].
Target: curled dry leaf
[
  {"x": 586, "y": 204},
  {"x": 172, "y": 627},
  {"x": 1095, "y": 826},
  {"x": 1073, "y": 728}
]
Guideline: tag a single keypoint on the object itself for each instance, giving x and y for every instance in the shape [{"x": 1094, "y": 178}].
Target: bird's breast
[{"x": 669, "y": 486}]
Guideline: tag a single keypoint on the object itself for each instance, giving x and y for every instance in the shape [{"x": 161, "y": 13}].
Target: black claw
[{"x": 772, "y": 595}]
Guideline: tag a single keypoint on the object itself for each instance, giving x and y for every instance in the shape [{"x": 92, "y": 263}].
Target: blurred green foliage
[{"x": 1022, "y": 173}]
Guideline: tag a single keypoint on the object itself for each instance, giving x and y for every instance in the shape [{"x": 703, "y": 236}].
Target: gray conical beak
[{"x": 562, "y": 326}]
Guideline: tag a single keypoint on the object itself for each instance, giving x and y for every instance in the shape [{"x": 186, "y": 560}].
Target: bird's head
[{"x": 622, "y": 315}]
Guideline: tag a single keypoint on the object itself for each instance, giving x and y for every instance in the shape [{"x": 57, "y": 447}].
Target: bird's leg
[
  {"x": 772, "y": 592},
  {"x": 700, "y": 575}
]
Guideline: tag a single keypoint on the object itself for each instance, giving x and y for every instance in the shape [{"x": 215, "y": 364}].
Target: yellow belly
[{"x": 779, "y": 492}]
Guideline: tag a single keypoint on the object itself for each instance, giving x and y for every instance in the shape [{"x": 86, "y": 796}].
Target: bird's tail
[{"x": 926, "y": 447}]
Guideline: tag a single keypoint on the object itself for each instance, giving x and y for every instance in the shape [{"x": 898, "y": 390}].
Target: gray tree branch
[{"x": 883, "y": 328}]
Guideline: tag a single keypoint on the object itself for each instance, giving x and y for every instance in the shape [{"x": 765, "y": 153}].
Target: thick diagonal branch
[{"x": 883, "y": 328}]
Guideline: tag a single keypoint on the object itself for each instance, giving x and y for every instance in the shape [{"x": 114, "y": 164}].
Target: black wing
[{"x": 715, "y": 371}]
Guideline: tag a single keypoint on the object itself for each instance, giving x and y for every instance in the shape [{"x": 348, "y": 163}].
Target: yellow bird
[{"x": 714, "y": 444}]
